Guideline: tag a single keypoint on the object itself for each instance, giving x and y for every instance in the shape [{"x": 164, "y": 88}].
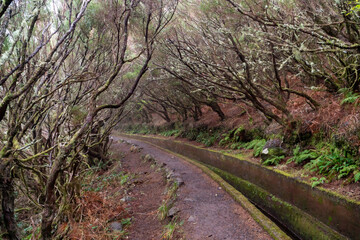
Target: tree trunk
[
  {"x": 184, "y": 115},
  {"x": 216, "y": 108},
  {"x": 8, "y": 202},
  {"x": 166, "y": 115},
  {"x": 49, "y": 212}
]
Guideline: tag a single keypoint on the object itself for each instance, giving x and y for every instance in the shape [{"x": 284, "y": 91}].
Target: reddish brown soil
[
  {"x": 146, "y": 196},
  {"x": 207, "y": 210},
  {"x": 331, "y": 117},
  {"x": 236, "y": 115}
]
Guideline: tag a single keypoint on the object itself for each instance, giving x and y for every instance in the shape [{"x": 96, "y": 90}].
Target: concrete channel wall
[{"x": 310, "y": 213}]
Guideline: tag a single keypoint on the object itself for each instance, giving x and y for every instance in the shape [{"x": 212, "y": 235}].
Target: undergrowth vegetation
[
  {"x": 334, "y": 164},
  {"x": 170, "y": 229},
  {"x": 301, "y": 156},
  {"x": 163, "y": 211},
  {"x": 257, "y": 145},
  {"x": 203, "y": 135},
  {"x": 350, "y": 97},
  {"x": 169, "y": 200},
  {"x": 331, "y": 160},
  {"x": 98, "y": 206},
  {"x": 275, "y": 160}
]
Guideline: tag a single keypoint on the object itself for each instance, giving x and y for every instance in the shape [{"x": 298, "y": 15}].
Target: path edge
[{"x": 269, "y": 226}]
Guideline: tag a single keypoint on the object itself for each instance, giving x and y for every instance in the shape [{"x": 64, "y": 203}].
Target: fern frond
[
  {"x": 350, "y": 99},
  {"x": 300, "y": 157},
  {"x": 257, "y": 145},
  {"x": 345, "y": 171},
  {"x": 356, "y": 176},
  {"x": 273, "y": 161}
]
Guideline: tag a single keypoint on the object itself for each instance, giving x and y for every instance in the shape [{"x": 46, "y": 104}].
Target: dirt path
[
  {"x": 207, "y": 210},
  {"x": 145, "y": 197}
]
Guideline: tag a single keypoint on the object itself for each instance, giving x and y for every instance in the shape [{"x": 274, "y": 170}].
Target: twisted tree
[{"x": 63, "y": 89}]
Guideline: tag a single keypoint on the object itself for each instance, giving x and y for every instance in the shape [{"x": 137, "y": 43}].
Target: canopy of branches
[{"x": 70, "y": 70}]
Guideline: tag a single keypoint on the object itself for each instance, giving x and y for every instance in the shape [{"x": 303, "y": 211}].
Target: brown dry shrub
[{"x": 94, "y": 214}]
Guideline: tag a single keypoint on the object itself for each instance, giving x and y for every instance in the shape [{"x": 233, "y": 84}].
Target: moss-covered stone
[{"x": 268, "y": 153}]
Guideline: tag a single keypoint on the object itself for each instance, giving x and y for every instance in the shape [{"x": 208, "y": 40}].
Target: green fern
[
  {"x": 237, "y": 131},
  {"x": 347, "y": 170},
  {"x": 333, "y": 163},
  {"x": 300, "y": 157},
  {"x": 316, "y": 181},
  {"x": 210, "y": 140},
  {"x": 273, "y": 161},
  {"x": 236, "y": 145},
  {"x": 350, "y": 97},
  {"x": 170, "y": 133},
  {"x": 356, "y": 176},
  {"x": 231, "y": 137},
  {"x": 257, "y": 145},
  {"x": 225, "y": 140}
]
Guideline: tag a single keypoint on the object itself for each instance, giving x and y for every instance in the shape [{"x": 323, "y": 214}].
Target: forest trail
[
  {"x": 145, "y": 197},
  {"x": 207, "y": 211}
]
